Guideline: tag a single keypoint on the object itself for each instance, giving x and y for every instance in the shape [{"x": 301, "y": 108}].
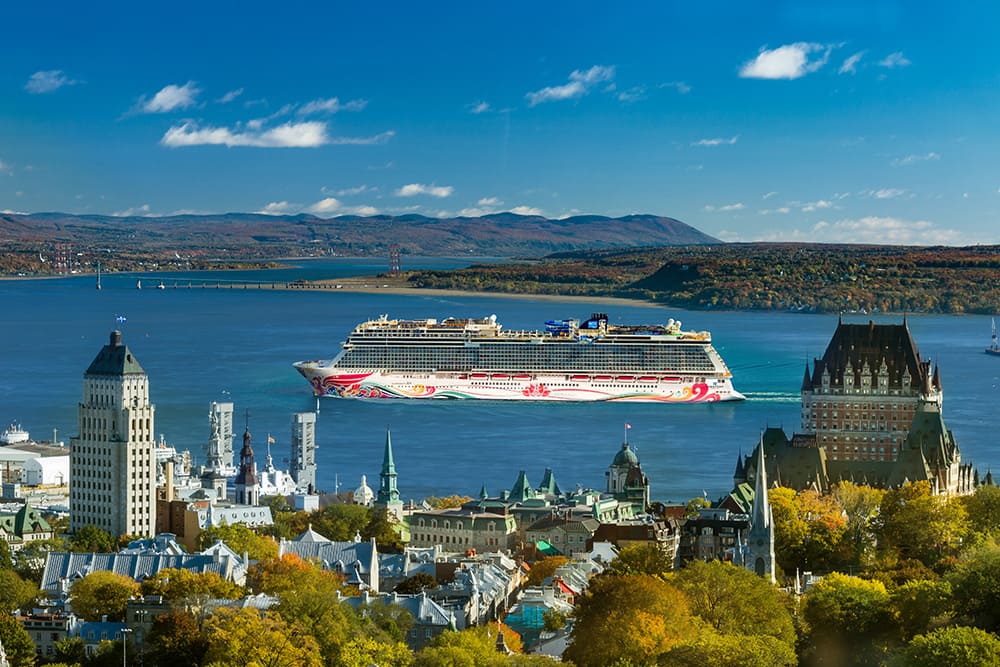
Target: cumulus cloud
[
  {"x": 414, "y": 189},
  {"x": 873, "y": 229},
  {"x": 327, "y": 205},
  {"x": 134, "y": 211},
  {"x": 47, "y": 81},
  {"x": 790, "y": 61},
  {"x": 527, "y": 210},
  {"x": 170, "y": 98},
  {"x": 350, "y": 192},
  {"x": 279, "y": 208},
  {"x": 738, "y": 206},
  {"x": 489, "y": 201},
  {"x": 809, "y": 207},
  {"x": 479, "y": 107},
  {"x": 717, "y": 141},
  {"x": 580, "y": 83},
  {"x": 230, "y": 96},
  {"x": 894, "y": 60},
  {"x": 309, "y": 134},
  {"x": 914, "y": 159},
  {"x": 850, "y": 65},
  {"x": 331, "y": 105}
]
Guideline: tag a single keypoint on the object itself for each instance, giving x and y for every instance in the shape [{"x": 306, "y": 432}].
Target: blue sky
[{"x": 834, "y": 121}]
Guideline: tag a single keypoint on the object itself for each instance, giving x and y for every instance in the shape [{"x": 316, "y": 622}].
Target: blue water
[{"x": 203, "y": 345}]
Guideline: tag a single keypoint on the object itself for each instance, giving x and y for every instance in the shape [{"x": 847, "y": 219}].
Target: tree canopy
[{"x": 102, "y": 593}]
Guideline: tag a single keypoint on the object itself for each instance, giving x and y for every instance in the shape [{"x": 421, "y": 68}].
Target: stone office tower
[
  {"x": 304, "y": 451},
  {"x": 220, "y": 440},
  {"x": 112, "y": 460}
]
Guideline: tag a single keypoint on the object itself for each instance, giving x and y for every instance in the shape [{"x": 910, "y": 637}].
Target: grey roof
[
  {"x": 115, "y": 359},
  {"x": 345, "y": 557},
  {"x": 425, "y": 610}
]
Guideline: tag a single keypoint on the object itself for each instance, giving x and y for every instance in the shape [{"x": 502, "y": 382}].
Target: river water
[{"x": 200, "y": 345}]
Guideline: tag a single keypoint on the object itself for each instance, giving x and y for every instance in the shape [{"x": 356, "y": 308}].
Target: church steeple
[
  {"x": 388, "y": 493},
  {"x": 760, "y": 540},
  {"x": 247, "y": 488}
]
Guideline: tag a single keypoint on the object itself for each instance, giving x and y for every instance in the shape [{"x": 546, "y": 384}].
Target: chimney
[
  {"x": 116, "y": 339},
  {"x": 168, "y": 473}
]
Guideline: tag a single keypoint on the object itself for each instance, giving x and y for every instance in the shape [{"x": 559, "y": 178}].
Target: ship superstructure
[{"x": 567, "y": 361}]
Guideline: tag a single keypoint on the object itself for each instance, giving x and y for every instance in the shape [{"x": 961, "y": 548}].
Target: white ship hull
[{"x": 362, "y": 383}]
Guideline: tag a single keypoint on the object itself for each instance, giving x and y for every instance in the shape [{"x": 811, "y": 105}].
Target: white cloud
[
  {"x": 279, "y": 208},
  {"x": 850, "y": 65},
  {"x": 738, "y": 206},
  {"x": 790, "y": 61},
  {"x": 914, "y": 159},
  {"x": 633, "y": 94},
  {"x": 716, "y": 141},
  {"x": 327, "y": 205},
  {"x": 809, "y": 207},
  {"x": 308, "y": 134},
  {"x": 479, "y": 107},
  {"x": 679, "y": 86},
  {"x": 331, "y": 105},
  {"x": 768, "y": 195},
  {"x": 362, "y": 210},
  {"x": 882, "y": 230},
  {"x": 170, "y": 98},
  {"x": 9, "y": 211},
  {"x": 489, "y": 201},
  {"x": 768, "y": 211},
  {"x": 527, "y": 210},
  {"x": 47, "y": 81},
  {"x": 474, "y": 212},
  {"x": 894, "y": 60},
  {"x": 349, "y": 192},
  {"x": 230, "y": 96},
  {"x": 580, "y": 83},
  {"x": 414, "y": 189},
  {"x": 886, "y": 193},
  {"x": 135, "y": 211}
]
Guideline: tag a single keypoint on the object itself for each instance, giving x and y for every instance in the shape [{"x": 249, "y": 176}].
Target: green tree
[
  {"x": 954, "y": 647},
  {"x": 975, "y": 581},
  {"x": 174, "y": 584},
  {"x": 730, "y": 651},
  {"x": 983, "y": 508},
  {"x": 861, "y": 507},
  {"x": 240, "y": 539},
  {"x": 646, "y": 558},
  {"x": 848, "y": 621},
  {"x": 628, "y": 618},
  {"x": 365, "y": 651},
  {"x": 419, "y": 582},
  {"x": 176, "y": 639},
  {"x": 15, "y": 592},
  {"x": 16, "y": 642},
  {"x": 245, "y": 638},
  {"x": 91, "y": 539},
  {"x": 914, "y": 523},
  {"x": 71, "y": 651},
  {"x": 447, "y": 502},
  {"x": 29, "y": 561},
  {"x": 102, "y": 593},
  {"x": 6, "y": 561},
  {"x": 921, "y": 606},
  {"x": 544, "y": 568},
  {"x": 734, "y": 601}
]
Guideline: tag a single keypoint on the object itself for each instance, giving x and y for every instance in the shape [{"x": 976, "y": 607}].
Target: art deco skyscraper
[
  {"x": 304, "y": 450},
  {"x": 112, "y": 460}
]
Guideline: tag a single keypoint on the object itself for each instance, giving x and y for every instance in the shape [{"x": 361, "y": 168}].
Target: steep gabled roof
[
  {"x": 115, "y": 359},
  {"x": 858, "y": 345}
]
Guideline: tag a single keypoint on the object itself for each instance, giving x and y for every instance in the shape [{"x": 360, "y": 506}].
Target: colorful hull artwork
[{"x": 568, "y": 360}]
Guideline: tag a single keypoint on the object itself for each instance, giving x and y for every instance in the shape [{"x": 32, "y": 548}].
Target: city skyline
[{"x": 830, "y": 122}]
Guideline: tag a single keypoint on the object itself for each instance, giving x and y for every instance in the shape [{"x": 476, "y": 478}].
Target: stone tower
[
  {"x": 112, "y": 460},
  {"x": 760, "y": 539},
  {"x": 303, "y": 455},
  {"x": 220, "y": 440},
  {"x": 247, "y": 488}
]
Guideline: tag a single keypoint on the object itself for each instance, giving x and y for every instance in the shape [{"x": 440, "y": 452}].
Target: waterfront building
[
  {"x": 871, "y": 414},
  {"x": 465, "y": 528},
  {"x": 112, "y": 462},
  {"x": 625, "y": 479},
  {"x": 303, "y": 459}
]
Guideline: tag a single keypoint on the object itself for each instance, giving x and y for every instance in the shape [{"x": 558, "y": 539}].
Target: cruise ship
[{"x": 567, "y": 361}]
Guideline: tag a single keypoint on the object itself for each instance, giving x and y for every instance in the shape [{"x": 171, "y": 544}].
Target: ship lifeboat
[
  {"x": 522, "y": 376},
  {"x": 602, "y": 378},
  {"x": 581, "y": 378},
  {"x": 501, "y": 376},
  {"x": 647, "y": 378},
  {"x": 671, "y": 378},
  {"x": 479, "y": 376},
  {"x": 625, "y": 378}
]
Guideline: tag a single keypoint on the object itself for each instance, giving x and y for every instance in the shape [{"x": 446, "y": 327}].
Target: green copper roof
[{"x": 115, "y": 359}]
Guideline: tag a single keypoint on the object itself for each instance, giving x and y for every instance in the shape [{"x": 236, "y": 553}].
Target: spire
[
  {"x": 387, "y": 491},
  {"x": 483, "y": 495},
  {"x": 760, "y": 514},
  {"x": 521, "y": 490},
  {"x": 740, "y": 475},
  {"x": 806, "y": 380}
]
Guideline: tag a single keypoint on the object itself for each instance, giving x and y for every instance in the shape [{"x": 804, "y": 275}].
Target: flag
[
  {"x": 270, "y": 440},
  {"x": 120, "y": 319},
  {"x": 627, "y": 425}
]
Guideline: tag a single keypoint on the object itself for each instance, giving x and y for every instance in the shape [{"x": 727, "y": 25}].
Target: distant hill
[{"x": 248, "y": 235}]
